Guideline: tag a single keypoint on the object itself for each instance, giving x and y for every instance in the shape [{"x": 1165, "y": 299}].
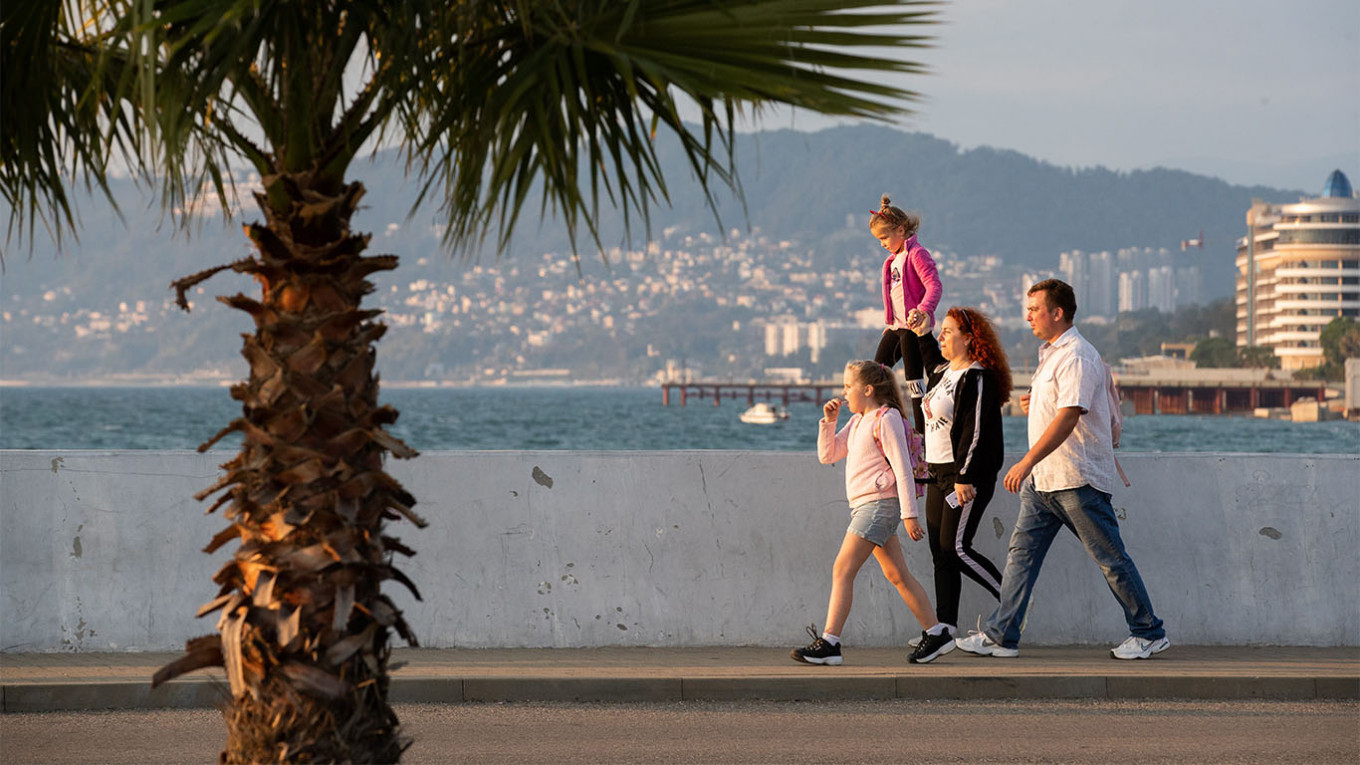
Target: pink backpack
[{"x": 916, "y": 452}]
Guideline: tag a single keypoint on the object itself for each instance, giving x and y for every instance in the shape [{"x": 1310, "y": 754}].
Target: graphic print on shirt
[
  {"x": 938, "y": 407},
  {"x": 896, "y": 274},
  {"x": 944, "y": 419}
]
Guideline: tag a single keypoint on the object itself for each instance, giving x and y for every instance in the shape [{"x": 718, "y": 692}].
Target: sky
[{"x": 1250, "y": 91}]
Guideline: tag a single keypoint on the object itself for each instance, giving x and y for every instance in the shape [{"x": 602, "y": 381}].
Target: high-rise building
[
  {"x": 1161, "y": 289},
  {"x": 1073, "y": 267},
  {"x": 1297, "y": 269},
  {"x": 1132, "y": 291},
  {"x": 1100, "y": 300}
]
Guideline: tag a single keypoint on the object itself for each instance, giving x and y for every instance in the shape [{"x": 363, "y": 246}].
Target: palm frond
[{"x": 570, "y": 96}]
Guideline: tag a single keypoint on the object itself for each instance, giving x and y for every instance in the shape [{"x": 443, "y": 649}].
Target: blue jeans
[{"x": 1087, "y": 512}]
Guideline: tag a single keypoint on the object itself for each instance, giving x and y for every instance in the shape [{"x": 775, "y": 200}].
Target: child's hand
[
  {"x": 913, "y": 528},
  {"x": 918, "y": 321},
  {"x": 831, "y": 409}
]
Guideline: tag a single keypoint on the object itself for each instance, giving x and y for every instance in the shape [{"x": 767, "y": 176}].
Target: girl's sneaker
[
  {"x": 931, "y": 646},
  {"x": 820, "y": 652}
]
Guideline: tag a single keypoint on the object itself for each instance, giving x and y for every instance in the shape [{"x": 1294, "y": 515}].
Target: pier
[
  {"x": 751, "y": 392},
  {"x": 1178, "y": 391}
]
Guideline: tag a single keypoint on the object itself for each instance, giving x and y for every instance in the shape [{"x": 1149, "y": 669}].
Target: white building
[
  {"x": 1297, "y": 269},
  {"x": 1161, "y": 289},
  {"x": 1132, "y": 291},
  {"x": 786, "y": 337}
]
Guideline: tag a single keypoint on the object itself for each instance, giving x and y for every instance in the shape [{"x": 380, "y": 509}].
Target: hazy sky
[{"x": 1251, "y": 91}]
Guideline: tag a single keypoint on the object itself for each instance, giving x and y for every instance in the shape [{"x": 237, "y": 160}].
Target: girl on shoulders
[
  {"x": 910, "y": 283},
  {"x": 969, "y": 379},
  {"x": 881, "y": 490}
]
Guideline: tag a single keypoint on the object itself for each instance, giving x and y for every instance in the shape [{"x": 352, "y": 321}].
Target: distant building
[
  {"x": 1132, "y": 291},
  {"x": 1178, "y": 350},
  {"x": 785, "y": 337},
  {"x": 1298, "y": 269},
  {"x": 1135, "y": 279}
]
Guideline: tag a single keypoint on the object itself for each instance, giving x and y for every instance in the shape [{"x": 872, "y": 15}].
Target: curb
[{"x": 211, "y": 693}]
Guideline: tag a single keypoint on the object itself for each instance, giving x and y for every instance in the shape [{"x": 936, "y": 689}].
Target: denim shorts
[{"x": 876, "y": 520}]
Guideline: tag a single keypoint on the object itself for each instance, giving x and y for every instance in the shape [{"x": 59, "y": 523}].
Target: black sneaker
[
  {"x": 931, "y": 646},
  {"x": 820, "y": 652}
]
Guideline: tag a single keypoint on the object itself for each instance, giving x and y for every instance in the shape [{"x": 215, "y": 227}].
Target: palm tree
[{"x": 486, "y": 98}]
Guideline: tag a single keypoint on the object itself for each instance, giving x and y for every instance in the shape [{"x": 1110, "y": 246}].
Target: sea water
[{"x": 565, "y": 418}]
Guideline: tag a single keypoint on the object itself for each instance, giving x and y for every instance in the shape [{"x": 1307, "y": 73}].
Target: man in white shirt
[{"x": 1065, "y": 479}]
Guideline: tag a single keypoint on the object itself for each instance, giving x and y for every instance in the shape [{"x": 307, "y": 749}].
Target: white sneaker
[
  {"x": 1139, "y": 648},
  {"x": 980, "y": 644}
]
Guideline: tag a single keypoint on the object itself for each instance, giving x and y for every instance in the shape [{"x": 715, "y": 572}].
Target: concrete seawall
[{"x": 100, "y": 551}]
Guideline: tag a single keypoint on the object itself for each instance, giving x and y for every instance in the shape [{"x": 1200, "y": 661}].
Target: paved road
[{"x": 895, "y": 732}]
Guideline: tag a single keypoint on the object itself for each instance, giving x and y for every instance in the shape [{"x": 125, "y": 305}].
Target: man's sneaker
[
  {"x": 1139, "y": 648},
  {"x": 980, "y": 644},
  {"x": 931, "y": 646},
  {"x": 820, "y": 652}
]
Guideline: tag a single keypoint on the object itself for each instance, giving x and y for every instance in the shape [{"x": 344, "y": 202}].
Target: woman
[{"x": 968, "y": 380}]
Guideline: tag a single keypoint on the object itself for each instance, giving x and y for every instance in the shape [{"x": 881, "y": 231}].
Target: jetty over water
[{"x": 1155, "y": 391}]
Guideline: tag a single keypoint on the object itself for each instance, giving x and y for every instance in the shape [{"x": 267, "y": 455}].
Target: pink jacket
[
  {"x": 920, "y": 283},
  {"x": 871, "y": 473}
]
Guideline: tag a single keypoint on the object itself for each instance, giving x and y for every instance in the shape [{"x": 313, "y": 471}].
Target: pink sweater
[
  {"x": 920, "y": 284},
  {"x": 871, "y": 473}
]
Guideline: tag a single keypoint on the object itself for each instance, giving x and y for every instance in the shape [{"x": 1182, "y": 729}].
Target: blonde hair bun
[{"x": 886, "y": 201}]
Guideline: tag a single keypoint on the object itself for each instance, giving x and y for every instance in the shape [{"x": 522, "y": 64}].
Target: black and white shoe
[
  {"x": 931, "y": 646},
  {"x": 820, "y": 652}
]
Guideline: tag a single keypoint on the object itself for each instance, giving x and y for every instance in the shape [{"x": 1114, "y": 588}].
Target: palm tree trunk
[{"x": 304, "y": 627}]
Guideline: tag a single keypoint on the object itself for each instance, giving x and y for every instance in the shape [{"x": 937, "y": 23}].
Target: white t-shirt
[
  {"x": 938, "y": 407},
  {"x": 898, "y": 290}
]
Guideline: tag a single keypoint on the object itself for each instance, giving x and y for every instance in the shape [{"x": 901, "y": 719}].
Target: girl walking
[
  {"x": 910, "y": 283},
  {"x": 881, "y": 490},
  {"x": 968, "y": 381}
]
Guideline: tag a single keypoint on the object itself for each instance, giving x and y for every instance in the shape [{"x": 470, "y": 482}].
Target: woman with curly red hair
[{"x": 968, "y": 380}]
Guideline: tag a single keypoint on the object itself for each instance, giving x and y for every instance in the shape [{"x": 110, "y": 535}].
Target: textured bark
[{"x": 303, "y": 628}]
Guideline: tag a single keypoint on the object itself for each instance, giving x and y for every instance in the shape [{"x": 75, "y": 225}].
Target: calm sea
[{"x": 571, "y": 418}]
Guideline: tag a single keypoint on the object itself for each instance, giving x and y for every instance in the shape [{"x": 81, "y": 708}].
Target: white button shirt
[{"x": 1071, "y": 373}]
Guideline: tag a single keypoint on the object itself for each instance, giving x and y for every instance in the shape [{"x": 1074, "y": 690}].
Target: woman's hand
[
  {"x": 918, "y": 321},
  {"x": 831, "y": 409},
  {"x": 965, "y": 492},
  {"x": 913, "y": 528}
]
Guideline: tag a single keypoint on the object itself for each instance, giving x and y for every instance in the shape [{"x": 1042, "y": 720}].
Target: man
[{"x": 1065, "y": 480}]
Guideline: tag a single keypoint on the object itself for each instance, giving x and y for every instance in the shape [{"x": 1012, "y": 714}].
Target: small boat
[{"x": 764, "y": 414}]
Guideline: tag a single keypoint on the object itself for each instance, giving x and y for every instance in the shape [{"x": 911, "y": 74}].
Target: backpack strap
[{"x": 1116, "y": 419}]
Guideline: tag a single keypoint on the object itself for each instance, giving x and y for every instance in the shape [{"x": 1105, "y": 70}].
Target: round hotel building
[{"x": 1297, "y": 269}]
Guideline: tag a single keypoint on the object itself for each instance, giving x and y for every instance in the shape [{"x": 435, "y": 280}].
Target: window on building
[{"x": 1321, "y": 236}]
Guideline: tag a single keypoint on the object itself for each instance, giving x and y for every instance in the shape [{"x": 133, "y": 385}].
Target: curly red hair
[{"x": 985, "y": 347}]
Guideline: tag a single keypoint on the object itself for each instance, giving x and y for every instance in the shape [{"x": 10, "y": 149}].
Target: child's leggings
[{"x": 901, "y": 344}]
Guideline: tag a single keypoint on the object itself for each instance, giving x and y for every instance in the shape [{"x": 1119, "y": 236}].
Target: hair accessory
[{"x": 875, "y": 212}]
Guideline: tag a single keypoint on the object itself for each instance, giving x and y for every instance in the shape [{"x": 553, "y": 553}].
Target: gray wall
[{"x": 101, "y": 551}]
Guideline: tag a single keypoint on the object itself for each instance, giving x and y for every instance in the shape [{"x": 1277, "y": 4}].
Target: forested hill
[{"x": 979, "y": 201}]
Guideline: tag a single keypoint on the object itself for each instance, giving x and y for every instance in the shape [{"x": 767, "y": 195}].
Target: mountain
[
  {"x": 801, "y": 186},
  {"x": 815, "y": 189}
]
